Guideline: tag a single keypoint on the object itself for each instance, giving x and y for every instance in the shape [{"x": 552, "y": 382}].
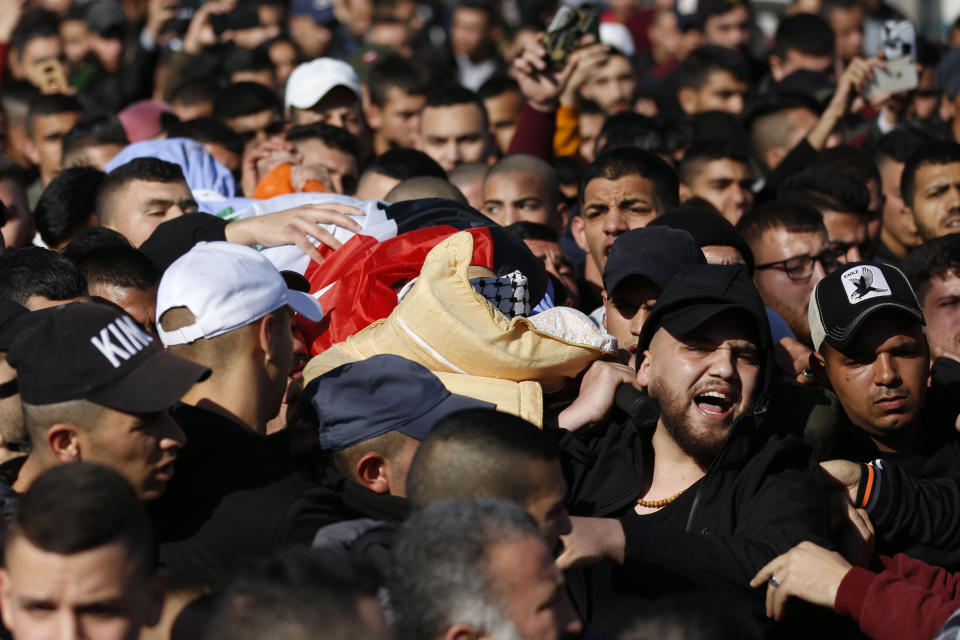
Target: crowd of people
[{"x": 395, "y": 319}]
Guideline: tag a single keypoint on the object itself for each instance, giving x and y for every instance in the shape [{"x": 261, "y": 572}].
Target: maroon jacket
[{"x": 908, "y": 600}]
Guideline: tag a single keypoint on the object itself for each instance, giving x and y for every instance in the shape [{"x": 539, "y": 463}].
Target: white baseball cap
[
  {"x": 311, "y": 81},
  {"x": 225, "y": 286}
]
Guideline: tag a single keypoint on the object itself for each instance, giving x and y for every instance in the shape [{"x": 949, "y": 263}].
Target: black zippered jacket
[{"x": 760, "y": 496}]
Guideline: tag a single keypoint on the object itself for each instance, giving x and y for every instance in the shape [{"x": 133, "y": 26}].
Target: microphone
[{"x": 643, "y": 409}]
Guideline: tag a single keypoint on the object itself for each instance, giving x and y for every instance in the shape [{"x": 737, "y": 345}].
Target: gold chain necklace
[{"x": 657, "y": 504}]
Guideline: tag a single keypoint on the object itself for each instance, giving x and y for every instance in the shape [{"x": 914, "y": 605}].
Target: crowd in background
[{"x": 384, "y": 319}]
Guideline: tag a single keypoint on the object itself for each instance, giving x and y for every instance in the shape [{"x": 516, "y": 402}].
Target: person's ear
[
  {"x": 776, "y": 67},
  {"x": 579, "y": 233},
  {"x": 373, "y": 114},
  {"x": 819, "y": 367},
  {"x": 461, "y": 632},
  {"x": 685, "y": 193},
  {"x": 687, "y": 97},
  {"x": 643, "y": 373},
  {"x": 30, "y": 150},
  {"x": 265, "y": 329},
  {"x": 563, "y": 212},
  {"x": 64, "y": 442},
  {"x": 371, "y": 472}
]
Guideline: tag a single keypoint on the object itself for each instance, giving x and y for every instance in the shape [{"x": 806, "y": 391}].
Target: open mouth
[
  {"x": 716, "y": 404},
  {"x": 165, "y": 473}
]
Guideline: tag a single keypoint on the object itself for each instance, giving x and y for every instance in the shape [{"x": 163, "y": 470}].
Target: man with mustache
[
  {"x": 869, "y": 346},
  {"x": 691, "y": 494},
  {"x": 930, "y": 186}
]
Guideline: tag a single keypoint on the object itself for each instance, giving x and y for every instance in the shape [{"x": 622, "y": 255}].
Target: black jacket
[
  {"x": 760, "y": 496},
  {"x": 233, "y": 495}
]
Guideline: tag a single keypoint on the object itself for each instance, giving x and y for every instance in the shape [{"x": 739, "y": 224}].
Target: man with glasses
[{"x": 792, "y": 253}]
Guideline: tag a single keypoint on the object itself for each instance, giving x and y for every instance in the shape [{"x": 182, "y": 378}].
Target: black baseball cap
[
  {"x": 657, "y": 253},
  {"x": 94, "y": 352},
  {"x": 708, "y": 228},
  {"x": 10, "y": 311},
  {"x": 843, "y": 300},
  {"x": 362, "y": 400},
  {"x": 698, "y": 295}
]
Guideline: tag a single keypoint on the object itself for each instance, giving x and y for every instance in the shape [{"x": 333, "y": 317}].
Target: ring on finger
[{"x": 773, "y": 580}]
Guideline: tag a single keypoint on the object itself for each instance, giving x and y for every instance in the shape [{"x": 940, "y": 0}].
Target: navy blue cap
[
  {"x": 320, "y": 10},
  {"x": 362, "y": 400},
  {"x": 656, "y": 253}
]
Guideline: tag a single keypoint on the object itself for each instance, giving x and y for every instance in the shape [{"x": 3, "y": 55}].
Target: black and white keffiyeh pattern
[{"x": 510, "y": 293}]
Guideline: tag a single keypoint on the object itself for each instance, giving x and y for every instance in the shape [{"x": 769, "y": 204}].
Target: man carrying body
[
  {"x": 700, "y": 495},
  {"x": 226, "y": 307}
]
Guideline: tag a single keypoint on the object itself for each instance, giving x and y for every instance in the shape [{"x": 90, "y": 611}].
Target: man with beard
[
  {"x": 930, "y": 186},
  {"x": 695, "y": 496}
]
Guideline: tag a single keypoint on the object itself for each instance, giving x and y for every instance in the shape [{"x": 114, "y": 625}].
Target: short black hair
[
  {"x": 15, "y": 99},
  {"x": 850, "y": 161},
  {"x": 707, "y": 150},
  {"x": 629, "y": 129},
  {"x": 625, "y": 161},
  {"x": 795, "y": 217},
  {"x": 826, "y": 189},
  {"x": 935, "y": 258},
  {"x": 401, "y": 164},
  {"x": 497, "y": 85},
  {"x": 568, "y": 170},
  {"x": 453, "y": 95},
  {"x": 804, "y": 32},
  {"x": 532, "y": 231},
  {"x": 588, "y": 106},
  {"x": 900, "y": 144},
  {"x": 244, "y": 98},
  {"x": 103, "y": 509},
  {"x": 480, "y": 5},
  {"x": 34, "y": 23},
  {"x": 938, "y": 153},
  {"x": 148, "y": 169},
  {"x": 107, "y": 262},
  {"x": 292, "y": 594},
  {"x": 701, "y": 62},
  {"x": 67, "y": 204},
  {"x": 241, "y": 59},
  {"x": 331, "y": 136},
  {"x": 49, "y": 104},
  {"x": 764, "y": 119},
  {"x": 35, "y": 271},
  {"x": 10, "y": 170},
  {"x": 718, "y": 125},
  {"x": 478, "y": 453},
  {"x": 707, "y": 9},
  {"x": 399, "y": 73},
  {"x": 207, "y": 130},
  {"x": 104, "y": 128},
  {"x": 194, "y": 91}
]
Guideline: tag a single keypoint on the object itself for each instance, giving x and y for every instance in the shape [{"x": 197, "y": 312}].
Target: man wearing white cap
[
  {"x": 233, "y": 494},
  {"x": 326, "y": 90}
]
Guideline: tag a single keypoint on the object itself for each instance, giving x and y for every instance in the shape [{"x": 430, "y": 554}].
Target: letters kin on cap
[{"x": 130, "y": 340}]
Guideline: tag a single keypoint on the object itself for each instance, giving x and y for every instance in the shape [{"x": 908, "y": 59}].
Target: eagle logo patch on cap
[{"x": 864, "y": 282}]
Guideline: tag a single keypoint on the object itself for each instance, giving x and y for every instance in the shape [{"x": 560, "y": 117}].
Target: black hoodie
[{"x": 760, "y": 496}]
